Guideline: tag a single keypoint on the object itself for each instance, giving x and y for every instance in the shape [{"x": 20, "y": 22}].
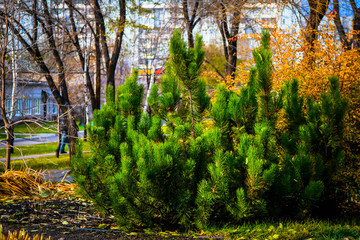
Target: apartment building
[
  {"x": 263, "y": 15},
  {"x": 152, "y": 38},
  {"x": 32, "y": 98}
]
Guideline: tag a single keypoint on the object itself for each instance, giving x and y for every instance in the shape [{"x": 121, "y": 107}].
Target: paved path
[
  {"x": 36, "y": 156},
  {"x": 41, "y": 138},
  {"x": 36, "y": 139},
  {"x": 30, "y": 156},
  {"x": 58, "y": 176}
]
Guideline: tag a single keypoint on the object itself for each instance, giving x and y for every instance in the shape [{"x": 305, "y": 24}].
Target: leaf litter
[{"x": 28, "y": 202}]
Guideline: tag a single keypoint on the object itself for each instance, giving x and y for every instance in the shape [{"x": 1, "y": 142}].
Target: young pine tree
[
  {"x": 245, "y": 163},
  {"x": 186, "y": 64},
  {"x": 144, "y": 178}
]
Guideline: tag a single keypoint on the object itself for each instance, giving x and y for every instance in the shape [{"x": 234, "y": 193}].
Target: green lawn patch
[
  {"x": 308, "y": 229},
  {"x": 3, "y": 136},
  {"x": 49, "y": 163},
  {"x": 38, "y": 149},
  {"x": 34, "y": 128},
  {"x": 44, "y": 127},
  {"x": 31, "y": 150}
]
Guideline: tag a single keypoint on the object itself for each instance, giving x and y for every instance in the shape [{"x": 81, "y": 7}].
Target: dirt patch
[{"x": 64, "y": 219}]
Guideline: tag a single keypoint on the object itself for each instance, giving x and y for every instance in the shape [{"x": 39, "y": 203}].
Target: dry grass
[
  {"x": 30, "y": 183},
  {"x": 21, "y": 183},
  {"x": 20, "y": 235}
]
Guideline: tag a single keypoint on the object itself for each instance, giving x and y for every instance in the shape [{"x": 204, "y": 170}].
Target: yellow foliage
[{"x": 20, "y": 235}]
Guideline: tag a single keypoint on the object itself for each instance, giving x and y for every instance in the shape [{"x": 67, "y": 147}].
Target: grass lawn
[
  {"x": 49, "y": 162},
  {"x": 46, "y": 127},
  {"x": 38, "y": 149},
  {"x": 33, "y": 128},
  {"x": 31, "y": 150},
  {"x": 310, "y": 229}
]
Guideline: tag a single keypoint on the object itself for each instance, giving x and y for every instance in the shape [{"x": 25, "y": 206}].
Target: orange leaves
[
  {"x": 233, "y": 39},
  {"x": 292, "y": 58}
]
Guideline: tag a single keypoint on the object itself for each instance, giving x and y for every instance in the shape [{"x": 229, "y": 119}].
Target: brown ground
[{"x": 64, "y": 219}]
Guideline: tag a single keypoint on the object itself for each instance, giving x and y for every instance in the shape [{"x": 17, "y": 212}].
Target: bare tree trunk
[
  {"x": 86, "y": 82},
  {"x": 224, "y": 42},
  {"x": 117, "y": 47},
  {"x": 110, "y": 62},
  {"x": 85, "y": 122},
  {"x": 57, "y": 153},
  {"x": 9, "y": 147},
  {"x": 13, "y": 94},
  {"x": 12, "y": 138},
  {"x": 24, "y": 35},
  {"x": 229, "y": 37},
  {"x": 356, "y": 24},
  {"x": 97, "y": 67},
  {"x": 72, "y": 127},
  {"x": 75, "y": 39},
  {"x": 8, "y": 129},
  {"x": 318, "y": 9},
  {"x": 4, "y": 46},
  {"x": 340, "y": 28},
  {"x": 191, "y": 20},
  {"x": 232, "y": 59}
]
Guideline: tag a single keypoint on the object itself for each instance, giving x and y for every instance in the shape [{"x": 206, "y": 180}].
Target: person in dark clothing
[{"x": 64, "y": 135}]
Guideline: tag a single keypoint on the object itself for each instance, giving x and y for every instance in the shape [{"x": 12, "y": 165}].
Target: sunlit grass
[
  {"x": 38, "y": 149},
  {"x": 307, "y": 229},
  {"x": 3, "y": 136},
  {"x": 49, "y": 162},
  {"x": 34, "y": 128}
]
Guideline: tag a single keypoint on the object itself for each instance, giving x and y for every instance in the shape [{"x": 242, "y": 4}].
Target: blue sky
[{"x": 345, "y": 7}]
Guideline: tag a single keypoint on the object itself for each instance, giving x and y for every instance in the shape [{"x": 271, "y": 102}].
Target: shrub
[
  {"x": 292, "y": 59},
  {"x": 242, "y": 167}
]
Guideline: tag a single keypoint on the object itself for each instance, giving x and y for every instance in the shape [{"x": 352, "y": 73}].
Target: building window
[
  {"x": 27, "y": 107},
  {"x": 249, "y": 30},
  {"x": 54, "y": 108},
  {"x": 157, "y": 18},
  {"x": 37, "y": 106},
  {"x": 18, "y": 107},
  {"x": 8, "y": 106}
]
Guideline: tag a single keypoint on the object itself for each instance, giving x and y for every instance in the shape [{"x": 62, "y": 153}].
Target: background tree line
[{"x": 53, "y": 38}]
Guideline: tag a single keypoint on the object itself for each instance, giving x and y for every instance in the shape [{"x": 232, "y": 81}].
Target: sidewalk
[
  {"x": 41, "y": 138},
  {"x": 29, "y": 156},
  {"x": 35, "y": 156},
  {"x": 58, "y": 176},
  {"x": 50, "y": 175}
]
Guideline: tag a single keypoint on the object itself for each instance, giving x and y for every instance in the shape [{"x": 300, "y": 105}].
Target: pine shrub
[{"x": 241, "y": 168}]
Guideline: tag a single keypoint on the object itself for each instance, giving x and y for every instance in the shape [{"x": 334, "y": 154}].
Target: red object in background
[
  {"x": 159, "y": 71},
  {"x": 302, "y": 49},
  {"x": 332, "y": 13},
  {"x": 234, "y": 38}
]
